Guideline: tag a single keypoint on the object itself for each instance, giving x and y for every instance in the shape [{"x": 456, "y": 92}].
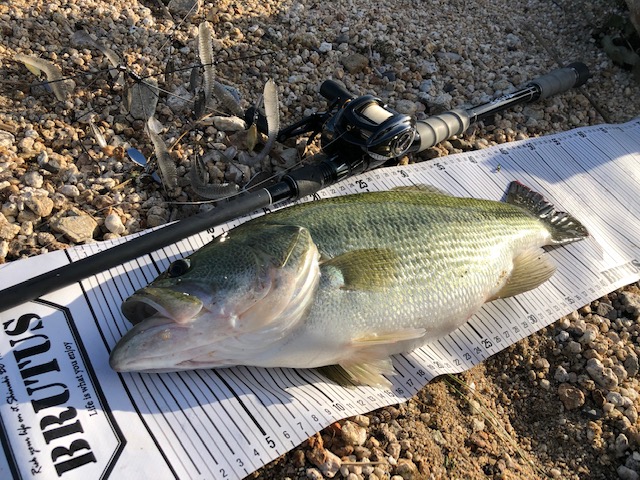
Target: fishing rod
[{"x": 358, "y": 134}]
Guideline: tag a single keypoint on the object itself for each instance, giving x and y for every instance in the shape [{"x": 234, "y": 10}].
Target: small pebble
[
  {"x": 33, "y": 179},
  {"x": 314, "y": 474},
  {"x": 625, "y": 473},
  {"x": 229, "y": 124},
  {"x": 353, "y": 434},
  {"x": 114, "y": 224},
  {"x": 571, "y": 396}
]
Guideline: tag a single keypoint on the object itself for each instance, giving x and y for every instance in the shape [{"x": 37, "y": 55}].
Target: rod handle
[
  {"x": 562, "y": 79},
  {"x": 439, "y": 128}
]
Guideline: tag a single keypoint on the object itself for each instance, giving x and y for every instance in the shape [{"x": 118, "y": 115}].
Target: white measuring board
[{"x": 64, "y": 413}]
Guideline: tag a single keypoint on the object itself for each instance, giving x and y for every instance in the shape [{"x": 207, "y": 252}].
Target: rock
[
  {"x": 406, "y": 107},
  {"x": 33, "y": 179},
  {"x": 327, "y": 462},
  {"x": 113, "y": 223},
  {"x": 77, "y": 227},
  {"x": 561, "y": 375},
  {"x": 634, "y": 13},
  {"x": 179, "y": 99},
  {"x": 541, "y": 364},
  {"x": 325, "y": 47},
  {"x": 7, "y": 230},
  {"x": 393, "y": 449},
  {"x": 237, "y": 173},
  {"x": 406, "y": 469},
  {"x": 588, "y": 336},
  {"x": 625, "y": 473},
  {"x": 27, "y": 215},
  {"x": 7, "y": 139},
  {"x": 570, "y": 396},
  {"x": 4, "y": 250},
  {"x": 632, "y": 414},
  {"x": 69, "y": 191},
  {"x": 602, "y": 375},
  {"x": 353, "y": 434},
  {"x": 438, "y": 437},
  {"x": 314, "y": 474},
  {"x": 621, "y": 444},
  {"x": 355, "y": 62},
  {"x": 607, "y": 311},
  {"x": 361, "y": 420},
  {"x": 38, "y": 202},
  {"x": 229, "y": 124},
  {"x": 573, "y": 347},
  {"x": 633, "y": 461},
  {"x": 631, "y": 303},
  {"x": 632, "y": 365}
]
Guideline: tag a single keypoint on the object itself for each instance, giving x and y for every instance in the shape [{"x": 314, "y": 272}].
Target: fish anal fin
[
  {"x": 531, "y": 269},
  {"x": 366, "y": 269},
  {"x": 370, "y": 373},
  {"x": 366, "y": 366}
]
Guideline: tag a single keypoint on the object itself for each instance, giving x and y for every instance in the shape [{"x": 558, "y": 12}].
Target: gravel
[{"x": 562, "y": 403}]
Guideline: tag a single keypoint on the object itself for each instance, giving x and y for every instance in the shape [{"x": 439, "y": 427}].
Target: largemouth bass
[{"x": 345, "y": 281}]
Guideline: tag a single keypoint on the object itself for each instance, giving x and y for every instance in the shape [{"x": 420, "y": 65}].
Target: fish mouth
[
  {"x": 179, "y": 307},
  {"x": 150, "y": 345}
]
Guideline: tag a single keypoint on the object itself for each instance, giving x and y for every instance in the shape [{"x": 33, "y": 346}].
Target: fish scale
[{"x": 345, "y": 281}]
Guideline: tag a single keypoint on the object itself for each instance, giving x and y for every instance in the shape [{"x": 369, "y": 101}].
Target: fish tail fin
[{"x": 564, "y": 227}]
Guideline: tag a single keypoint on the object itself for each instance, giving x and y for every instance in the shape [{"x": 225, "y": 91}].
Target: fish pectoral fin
[
  {"x": 531, "y": 269},
  {"x": 366, "y": 269},
  {"x": 383, "y": 338},
  {"x": 353, "y": 374}
]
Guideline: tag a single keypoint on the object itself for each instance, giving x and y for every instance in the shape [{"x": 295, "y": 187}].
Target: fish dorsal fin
[
  {"x": 564, "y": 227},
  {"x": 531, "y": 269},
  {"x": 366, "y": 269},
  {"x": 420, "y": 188}
]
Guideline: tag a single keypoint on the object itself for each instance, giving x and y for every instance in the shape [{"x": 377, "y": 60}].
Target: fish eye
[{"x": 179, "y": 267}]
